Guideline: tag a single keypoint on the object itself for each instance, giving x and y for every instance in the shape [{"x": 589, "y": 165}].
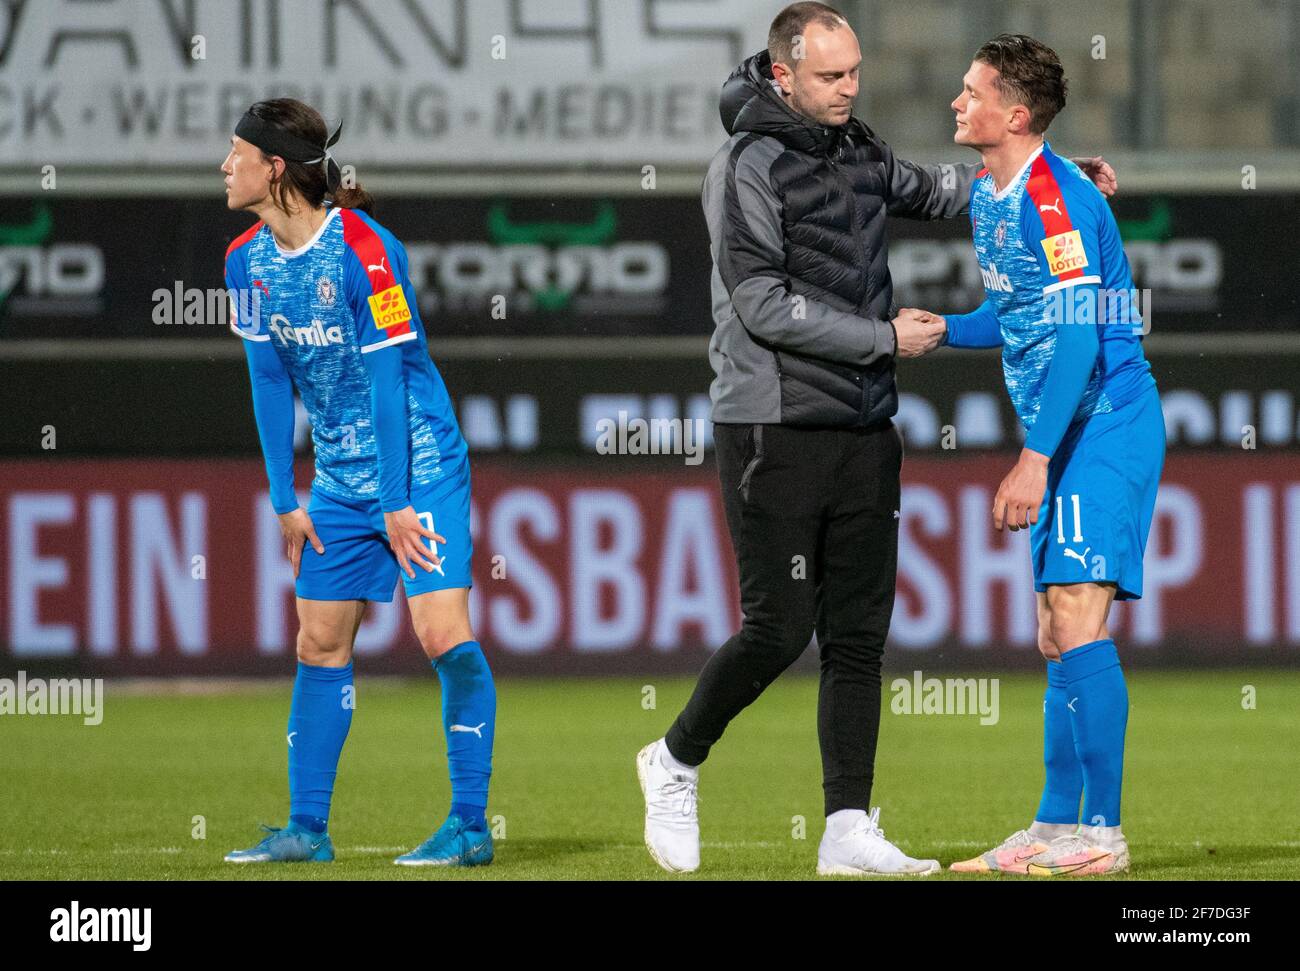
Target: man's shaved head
[
  {"x": 790, "y": 24},
  {"x": 815, "y": 61}
]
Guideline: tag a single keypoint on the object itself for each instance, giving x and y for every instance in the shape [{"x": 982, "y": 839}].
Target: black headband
[{"x": 274, "y": 140}]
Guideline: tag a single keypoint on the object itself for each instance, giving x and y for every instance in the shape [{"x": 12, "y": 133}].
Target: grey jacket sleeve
[
  {"x": 749, "y": 248},
  {"x": 926, "y": 191}
]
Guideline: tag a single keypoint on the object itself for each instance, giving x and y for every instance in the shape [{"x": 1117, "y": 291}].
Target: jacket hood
[{"x": 750, "y": 103}]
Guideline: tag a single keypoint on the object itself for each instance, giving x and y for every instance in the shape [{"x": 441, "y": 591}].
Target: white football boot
[
  {"x": 1093, "y": 852},
  {"x": 864, "y": 851},
  {"x": 1013, "y": 854},
  {"x": 672, "y": 823}
]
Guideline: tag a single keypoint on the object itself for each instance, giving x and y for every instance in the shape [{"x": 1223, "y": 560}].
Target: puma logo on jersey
[
  {"x": 1082, "y": 561},
  {"x": 996, "y": 281},
  {"x": 316, "y": 334},
  {"x": 1054, "y": 207},
  {"x": 372, "y": 267},
  {"x": 477, "y": 729}
]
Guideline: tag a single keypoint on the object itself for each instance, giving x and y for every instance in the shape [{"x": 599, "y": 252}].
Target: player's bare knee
[
  {"x": 1070, "y": 630},
  {"x": 322, "y": 647},
  {"x": 438, "y": 639},
  {"x": 1046, "y": 646},
  {"x": 438, "y": 645}
]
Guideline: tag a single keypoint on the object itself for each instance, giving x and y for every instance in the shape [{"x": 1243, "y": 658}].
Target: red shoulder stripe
[
  {"x": 1045, "y": 195},
  {"x": 244, "y": 237},
  {"x": 981, "y": 173},
  {"x": 369, "y": 249}
]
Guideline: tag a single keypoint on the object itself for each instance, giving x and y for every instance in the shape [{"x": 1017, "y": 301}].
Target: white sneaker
[
  {"x": 672, "y": 824},
  {"x": 864, "y": 851}
]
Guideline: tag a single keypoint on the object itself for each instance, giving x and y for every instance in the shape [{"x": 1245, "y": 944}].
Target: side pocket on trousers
[
  {"x": 756, "y": 436},
  {"x": 898, "y": 474}
]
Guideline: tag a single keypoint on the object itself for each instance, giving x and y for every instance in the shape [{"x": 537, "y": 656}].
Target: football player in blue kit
[
  {"x": 1060, "y": 302},
  {"x": 321, "y": 296}
]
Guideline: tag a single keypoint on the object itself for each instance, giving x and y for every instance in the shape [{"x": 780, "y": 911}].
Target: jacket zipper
[
  {"x": 857, "y": 240},
  {"x": 853, "y": 220}
]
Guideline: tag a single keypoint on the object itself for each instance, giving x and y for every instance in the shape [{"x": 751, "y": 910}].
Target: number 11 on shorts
[
  {"x": 1060, "y": 520},
  {"x": 426, "y": 520}
]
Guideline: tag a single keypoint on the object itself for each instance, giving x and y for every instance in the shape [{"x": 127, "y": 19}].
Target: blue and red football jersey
[
  {"x": 338, "y": 318},
  {"x": 1050, "y": 255}
]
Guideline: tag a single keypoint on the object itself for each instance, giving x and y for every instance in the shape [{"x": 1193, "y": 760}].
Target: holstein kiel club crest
[{"x": 326, "y": 293}]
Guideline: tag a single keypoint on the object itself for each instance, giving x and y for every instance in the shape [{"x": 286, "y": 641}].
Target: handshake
[{"x": 918, "y": 332}]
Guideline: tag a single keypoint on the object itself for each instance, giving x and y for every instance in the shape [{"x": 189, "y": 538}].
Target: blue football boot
[
  {"x": 292, "y": 844},
  {"x": 455, "y": 844}
]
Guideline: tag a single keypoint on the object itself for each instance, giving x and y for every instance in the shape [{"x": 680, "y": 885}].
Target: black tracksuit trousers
[{"x": 813, "y": 516}]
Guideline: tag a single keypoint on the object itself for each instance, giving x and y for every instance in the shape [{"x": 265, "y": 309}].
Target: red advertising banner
[{"x": 176, "y": 567}]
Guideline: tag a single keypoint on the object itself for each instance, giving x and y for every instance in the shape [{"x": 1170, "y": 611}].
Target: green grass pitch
[{"x": 1210, "y": 786}]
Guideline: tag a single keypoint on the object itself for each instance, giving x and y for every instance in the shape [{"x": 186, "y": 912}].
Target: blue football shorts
[
  {"x": 358, "y": 563},
  {"x": 1100, "y": 499}
]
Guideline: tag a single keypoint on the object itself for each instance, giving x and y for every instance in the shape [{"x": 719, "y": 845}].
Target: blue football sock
[
  {"x": 474, "y": 817},
  {"x": 469, "y": 711},
  {"x": 1064, "y": 785},
  {"x": 319, "y": 719},
  {"x": 313, "y": 824},
  {"x": 1098, "y": 716}
]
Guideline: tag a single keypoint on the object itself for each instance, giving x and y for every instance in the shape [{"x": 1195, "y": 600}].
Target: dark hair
[
  {"x": 793, "y": 21},
  {"x": 307, "y": 179},
  {"x": 1029, "y": 73}
]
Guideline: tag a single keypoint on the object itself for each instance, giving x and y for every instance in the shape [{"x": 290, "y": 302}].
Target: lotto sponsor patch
[
  {"x": 389, "y": 308},
  {"x": 1065, "y": 252}
]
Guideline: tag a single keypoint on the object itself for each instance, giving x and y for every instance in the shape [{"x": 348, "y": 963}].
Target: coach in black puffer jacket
[{"x": 802, "y": 298}]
